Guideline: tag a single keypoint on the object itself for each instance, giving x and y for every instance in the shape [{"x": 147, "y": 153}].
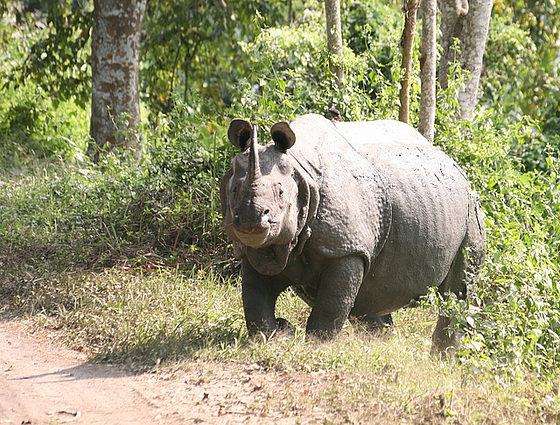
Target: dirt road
[{"x": 42, "y": 382}]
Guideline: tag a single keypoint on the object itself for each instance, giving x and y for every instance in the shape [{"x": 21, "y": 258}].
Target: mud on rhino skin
[{"x": 359, "y": 218}]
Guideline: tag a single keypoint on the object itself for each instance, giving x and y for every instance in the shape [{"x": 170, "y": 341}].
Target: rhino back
[
  {"x": 353, "y": 214},
  {"x": 390, "y": 195},
  {"x": 429, "y": 196}
]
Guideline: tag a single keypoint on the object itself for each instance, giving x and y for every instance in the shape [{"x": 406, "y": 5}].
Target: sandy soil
[{"x": 42, "y": 382}]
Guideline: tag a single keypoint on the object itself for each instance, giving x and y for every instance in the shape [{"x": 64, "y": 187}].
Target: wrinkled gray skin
[{"x": 359, "y": 218}]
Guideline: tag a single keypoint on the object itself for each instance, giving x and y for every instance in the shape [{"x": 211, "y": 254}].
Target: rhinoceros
[{"x": 359, "y": 218}]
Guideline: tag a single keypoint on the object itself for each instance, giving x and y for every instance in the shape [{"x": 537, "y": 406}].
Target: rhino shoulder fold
[{"x": 358, "y": 222}]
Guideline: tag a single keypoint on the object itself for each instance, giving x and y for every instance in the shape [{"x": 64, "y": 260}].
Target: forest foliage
[{"x": 208, "y": 62}]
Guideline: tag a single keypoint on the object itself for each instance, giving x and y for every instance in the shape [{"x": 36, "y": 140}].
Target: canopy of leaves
[
  {"x": 191, "y": 48},
  {"x": 54, "y": 50},
  {"x": 525, "y": 45}
]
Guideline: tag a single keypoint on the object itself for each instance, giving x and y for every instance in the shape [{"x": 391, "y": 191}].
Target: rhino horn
[{"x": 254, "y": 171}]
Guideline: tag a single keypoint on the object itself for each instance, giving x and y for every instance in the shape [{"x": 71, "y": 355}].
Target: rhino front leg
[
  {"x": 259, "y": 293},
  {"x": 339, "y": 284}
]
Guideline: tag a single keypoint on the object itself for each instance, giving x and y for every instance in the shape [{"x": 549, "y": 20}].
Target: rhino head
[{"x": 267, "y": 198}]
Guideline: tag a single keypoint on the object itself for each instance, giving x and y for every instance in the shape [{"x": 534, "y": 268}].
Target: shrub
[
  {"x": 31, "y": 128},
  {"x": 164, "y": 207},
  {"x": 290, "y": 71},
  {"x": 521, "y": 89},
  {"x": 514, "y": 322}
]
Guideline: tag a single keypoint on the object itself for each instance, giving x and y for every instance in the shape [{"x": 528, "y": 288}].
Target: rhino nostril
[{"x": 266, "y": 216}]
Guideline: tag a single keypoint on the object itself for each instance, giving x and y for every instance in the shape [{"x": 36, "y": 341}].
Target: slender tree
[
  {"x": 469, "y": 24},
  {"x": 407, "y": 42},
  {"x": 334, "y": 39},
  {"x": 115, "y": 55},
  {"x": 428, "y": 70}
]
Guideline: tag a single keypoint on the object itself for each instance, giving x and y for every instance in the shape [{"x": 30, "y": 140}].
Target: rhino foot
[
  {"x": 282, "y": 325},
  {"x": 445, "y": 342},
  {"x": 377, "y": 325}
]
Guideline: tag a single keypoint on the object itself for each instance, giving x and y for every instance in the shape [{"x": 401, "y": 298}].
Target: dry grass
[{"x": 183, "y": 324}]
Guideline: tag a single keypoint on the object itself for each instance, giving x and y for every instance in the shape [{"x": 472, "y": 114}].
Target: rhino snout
[
  {"x": 252, "y": 227},
  {"x": 247, "y": 224}
]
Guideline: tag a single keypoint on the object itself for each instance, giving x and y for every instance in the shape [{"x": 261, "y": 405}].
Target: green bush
[
  {"x": 514, "y": 320},
  {"x": 510, "y": 55},
  {"x": 290, "y": 71},
  {"x": 82, "y": 214},
  {"x": 515, "y": 84},
  {"x": 31, "y": 128}
]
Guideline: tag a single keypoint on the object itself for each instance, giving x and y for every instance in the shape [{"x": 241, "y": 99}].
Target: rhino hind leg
[
  {"x": 377, "y": 325},
  {"x": 445, "y": 341},
  {"x": 460, "y": 279},
  {"x": 283, "y": 325}
]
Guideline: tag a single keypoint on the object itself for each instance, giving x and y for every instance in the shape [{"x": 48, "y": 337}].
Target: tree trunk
[
  {"x": 469, "y": 24},
  {"x": 115, "y": 55},
  {"x": 407, "y": 42},
  {"x": 334, "y": 39},
  {"x": 428, "y": 70}
]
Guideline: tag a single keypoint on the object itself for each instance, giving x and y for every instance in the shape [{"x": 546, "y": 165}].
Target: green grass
[
  {"x": 177, "y": 318},
  {"x": 146, "y": 307}
]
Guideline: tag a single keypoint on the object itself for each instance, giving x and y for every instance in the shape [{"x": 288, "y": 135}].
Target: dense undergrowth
[{"x": 164, "y": 212}]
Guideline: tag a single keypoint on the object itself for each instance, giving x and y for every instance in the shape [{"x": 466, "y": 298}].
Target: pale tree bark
[
  {"x": 334, "y": 39},
  {"x": 407, "y": 42},
  {"x": 428, "y": 70},
  {"x": 115, "y": 55},
  {"x": 469, "y": 24}
]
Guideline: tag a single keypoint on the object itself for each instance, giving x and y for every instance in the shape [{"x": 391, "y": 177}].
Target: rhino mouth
[
  {"x": 255, "y": 237},
  {"x": 251, "y": 230}
]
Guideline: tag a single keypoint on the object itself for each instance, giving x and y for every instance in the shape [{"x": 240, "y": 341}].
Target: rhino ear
[
  {"x": 239, "y": 133},
  {"x": 283, "y": 136}
]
